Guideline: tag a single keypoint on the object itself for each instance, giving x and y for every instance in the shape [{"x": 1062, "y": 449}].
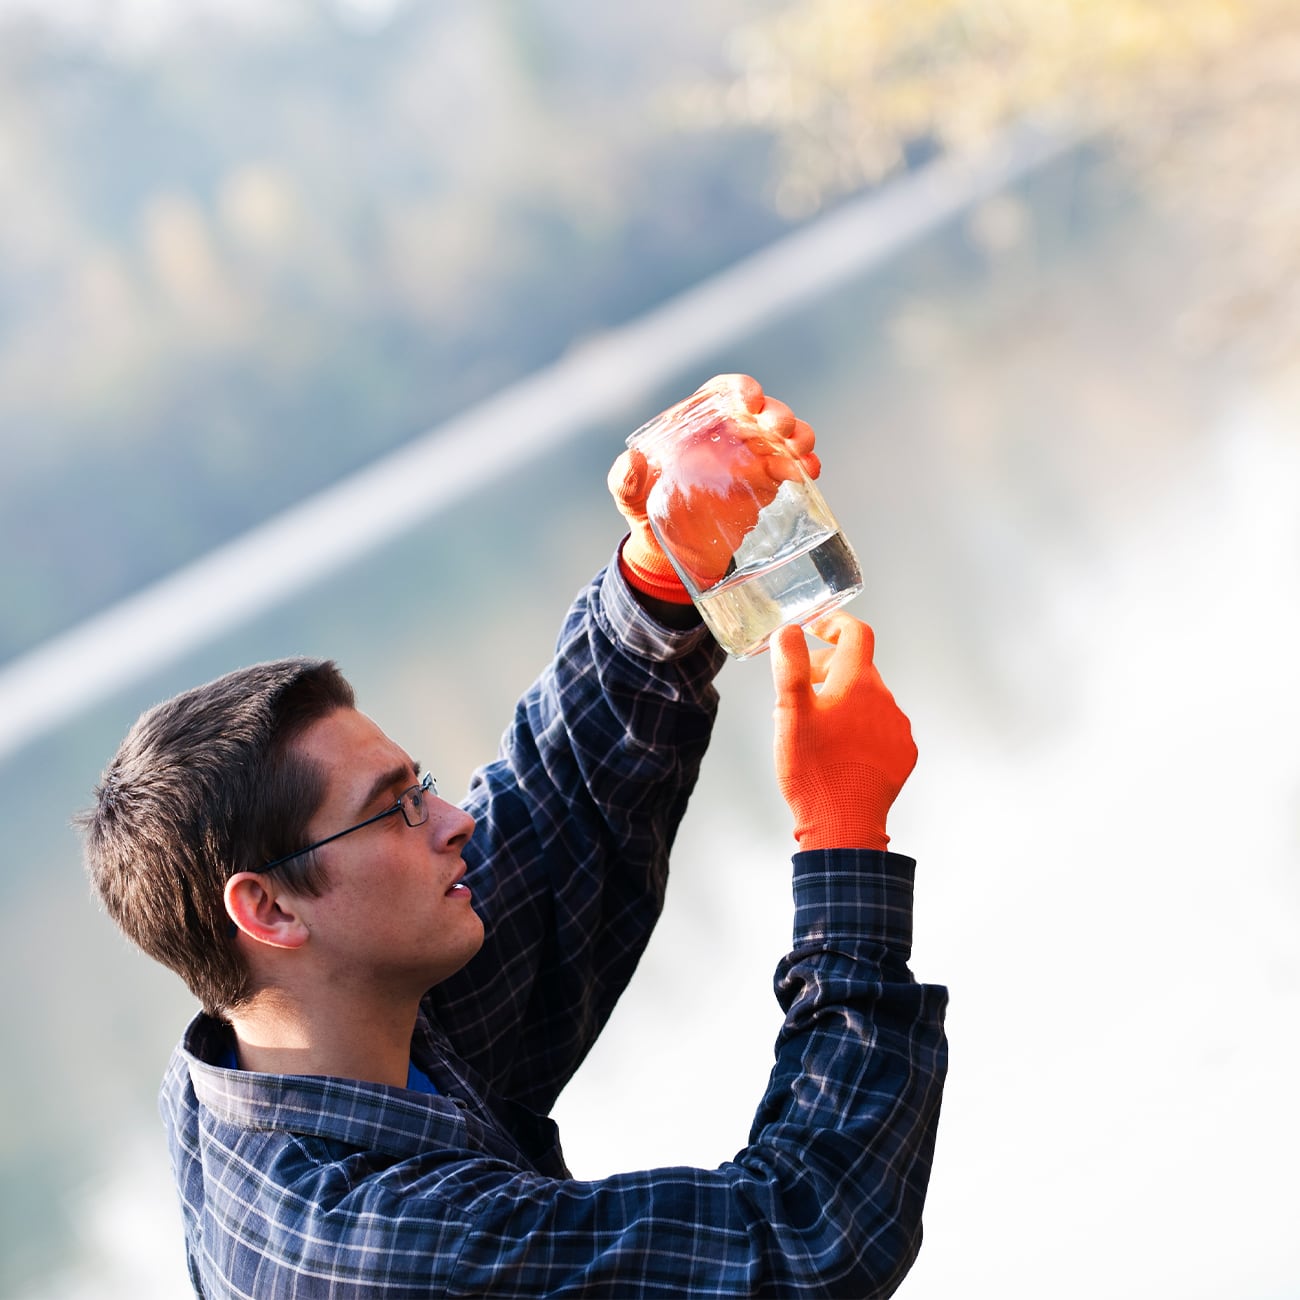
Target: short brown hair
[{"x": 205, "y": 785}]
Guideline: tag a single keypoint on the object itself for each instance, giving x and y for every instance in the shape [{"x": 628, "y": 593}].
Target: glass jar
[{"x": 746, "y": 529}]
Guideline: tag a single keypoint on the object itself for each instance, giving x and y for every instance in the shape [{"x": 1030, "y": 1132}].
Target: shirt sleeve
[
  {"x": 576, "y": 816},
  {"x": 826, "y": 1198}
]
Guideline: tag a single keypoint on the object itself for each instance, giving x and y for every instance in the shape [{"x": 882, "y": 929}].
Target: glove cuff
[
  {"x": 841, "y": 806},
  {"x": 648, "y": 570}
]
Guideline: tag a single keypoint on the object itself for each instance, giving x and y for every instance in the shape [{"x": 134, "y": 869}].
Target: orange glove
[
  {"x": 842, "y": 754},
  {"x": 723, "y": 473},
  {"x": 641, "y": 558}
]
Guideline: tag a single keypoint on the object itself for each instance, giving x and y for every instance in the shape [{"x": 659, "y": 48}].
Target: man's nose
[{"x": 450, "y": 825}]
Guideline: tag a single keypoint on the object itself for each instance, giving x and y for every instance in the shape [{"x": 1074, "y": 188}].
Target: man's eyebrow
[{"x": 392, "y": 777}]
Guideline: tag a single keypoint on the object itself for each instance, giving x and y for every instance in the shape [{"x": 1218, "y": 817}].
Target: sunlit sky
[{"x": 133, "y": 25}]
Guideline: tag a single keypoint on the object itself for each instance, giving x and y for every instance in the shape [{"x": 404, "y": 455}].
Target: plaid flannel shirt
[{"x": 297, "y": 1186}]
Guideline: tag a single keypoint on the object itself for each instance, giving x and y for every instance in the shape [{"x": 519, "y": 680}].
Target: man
[{"x": 396, "y": 989}]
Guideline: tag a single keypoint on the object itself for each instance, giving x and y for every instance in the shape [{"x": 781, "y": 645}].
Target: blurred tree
[
  {"x": 1201, "y": 96},
  {"x": 247, "y": 255}
]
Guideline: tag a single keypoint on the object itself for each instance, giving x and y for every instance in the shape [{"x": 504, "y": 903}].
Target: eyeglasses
[{"x": 412, "y": 805}]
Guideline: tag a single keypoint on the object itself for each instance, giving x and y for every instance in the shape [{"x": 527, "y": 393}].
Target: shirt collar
[{"x": 371, "y": 1116}]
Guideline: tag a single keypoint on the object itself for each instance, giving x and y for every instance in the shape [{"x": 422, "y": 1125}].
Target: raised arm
[
  {"x": 576, "y": 818},
  {"x": 577, "y": 815}
]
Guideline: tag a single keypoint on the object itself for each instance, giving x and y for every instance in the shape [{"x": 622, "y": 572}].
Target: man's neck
[{"x": 338, "y": 1038}]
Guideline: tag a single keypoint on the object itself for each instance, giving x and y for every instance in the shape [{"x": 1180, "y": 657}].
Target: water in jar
[{"x": 798, "y": 586}]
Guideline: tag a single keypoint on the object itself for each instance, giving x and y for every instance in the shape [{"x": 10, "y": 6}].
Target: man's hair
[{"x": 205, "y": 785}]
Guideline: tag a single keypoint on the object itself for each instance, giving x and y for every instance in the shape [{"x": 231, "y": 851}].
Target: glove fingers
[
  {"x": 791, "y": 668},
  {"x": 776, "y": 419},
  {"x": 780, "y": 422},
  {"x": 820, "y": 659},
  {"x": 747, "y": 388},
  {"x": 629, "y": 482},
  {"x": 779, "y": 468},
  {"x": 852, "y": 670},
  {"x": 853, "y": 644},
  {"x": 801, "y": 437},
  {"x": 783, "y": 465},
  {"x": 839, "y": 625},
  {"x": 796, "y": 434}
]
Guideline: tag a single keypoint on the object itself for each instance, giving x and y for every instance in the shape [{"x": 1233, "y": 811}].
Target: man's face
[{"x": 395, "y": 917}]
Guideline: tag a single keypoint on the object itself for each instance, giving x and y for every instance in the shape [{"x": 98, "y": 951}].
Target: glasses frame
[{"x": 425, "y": 785}]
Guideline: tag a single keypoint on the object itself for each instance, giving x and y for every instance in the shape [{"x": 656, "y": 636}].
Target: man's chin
[{"x": 453, "y": 963}]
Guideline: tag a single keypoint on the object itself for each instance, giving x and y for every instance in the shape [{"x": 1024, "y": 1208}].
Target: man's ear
[{"x": 262, "y": 913}]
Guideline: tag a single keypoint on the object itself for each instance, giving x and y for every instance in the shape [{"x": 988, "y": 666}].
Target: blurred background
[{"x": 320, "y": 324}]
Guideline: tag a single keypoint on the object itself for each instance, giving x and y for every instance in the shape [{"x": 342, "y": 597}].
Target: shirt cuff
[
  {"x": 635, "y": 628},
  {"x": 853, "y": 896}
]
